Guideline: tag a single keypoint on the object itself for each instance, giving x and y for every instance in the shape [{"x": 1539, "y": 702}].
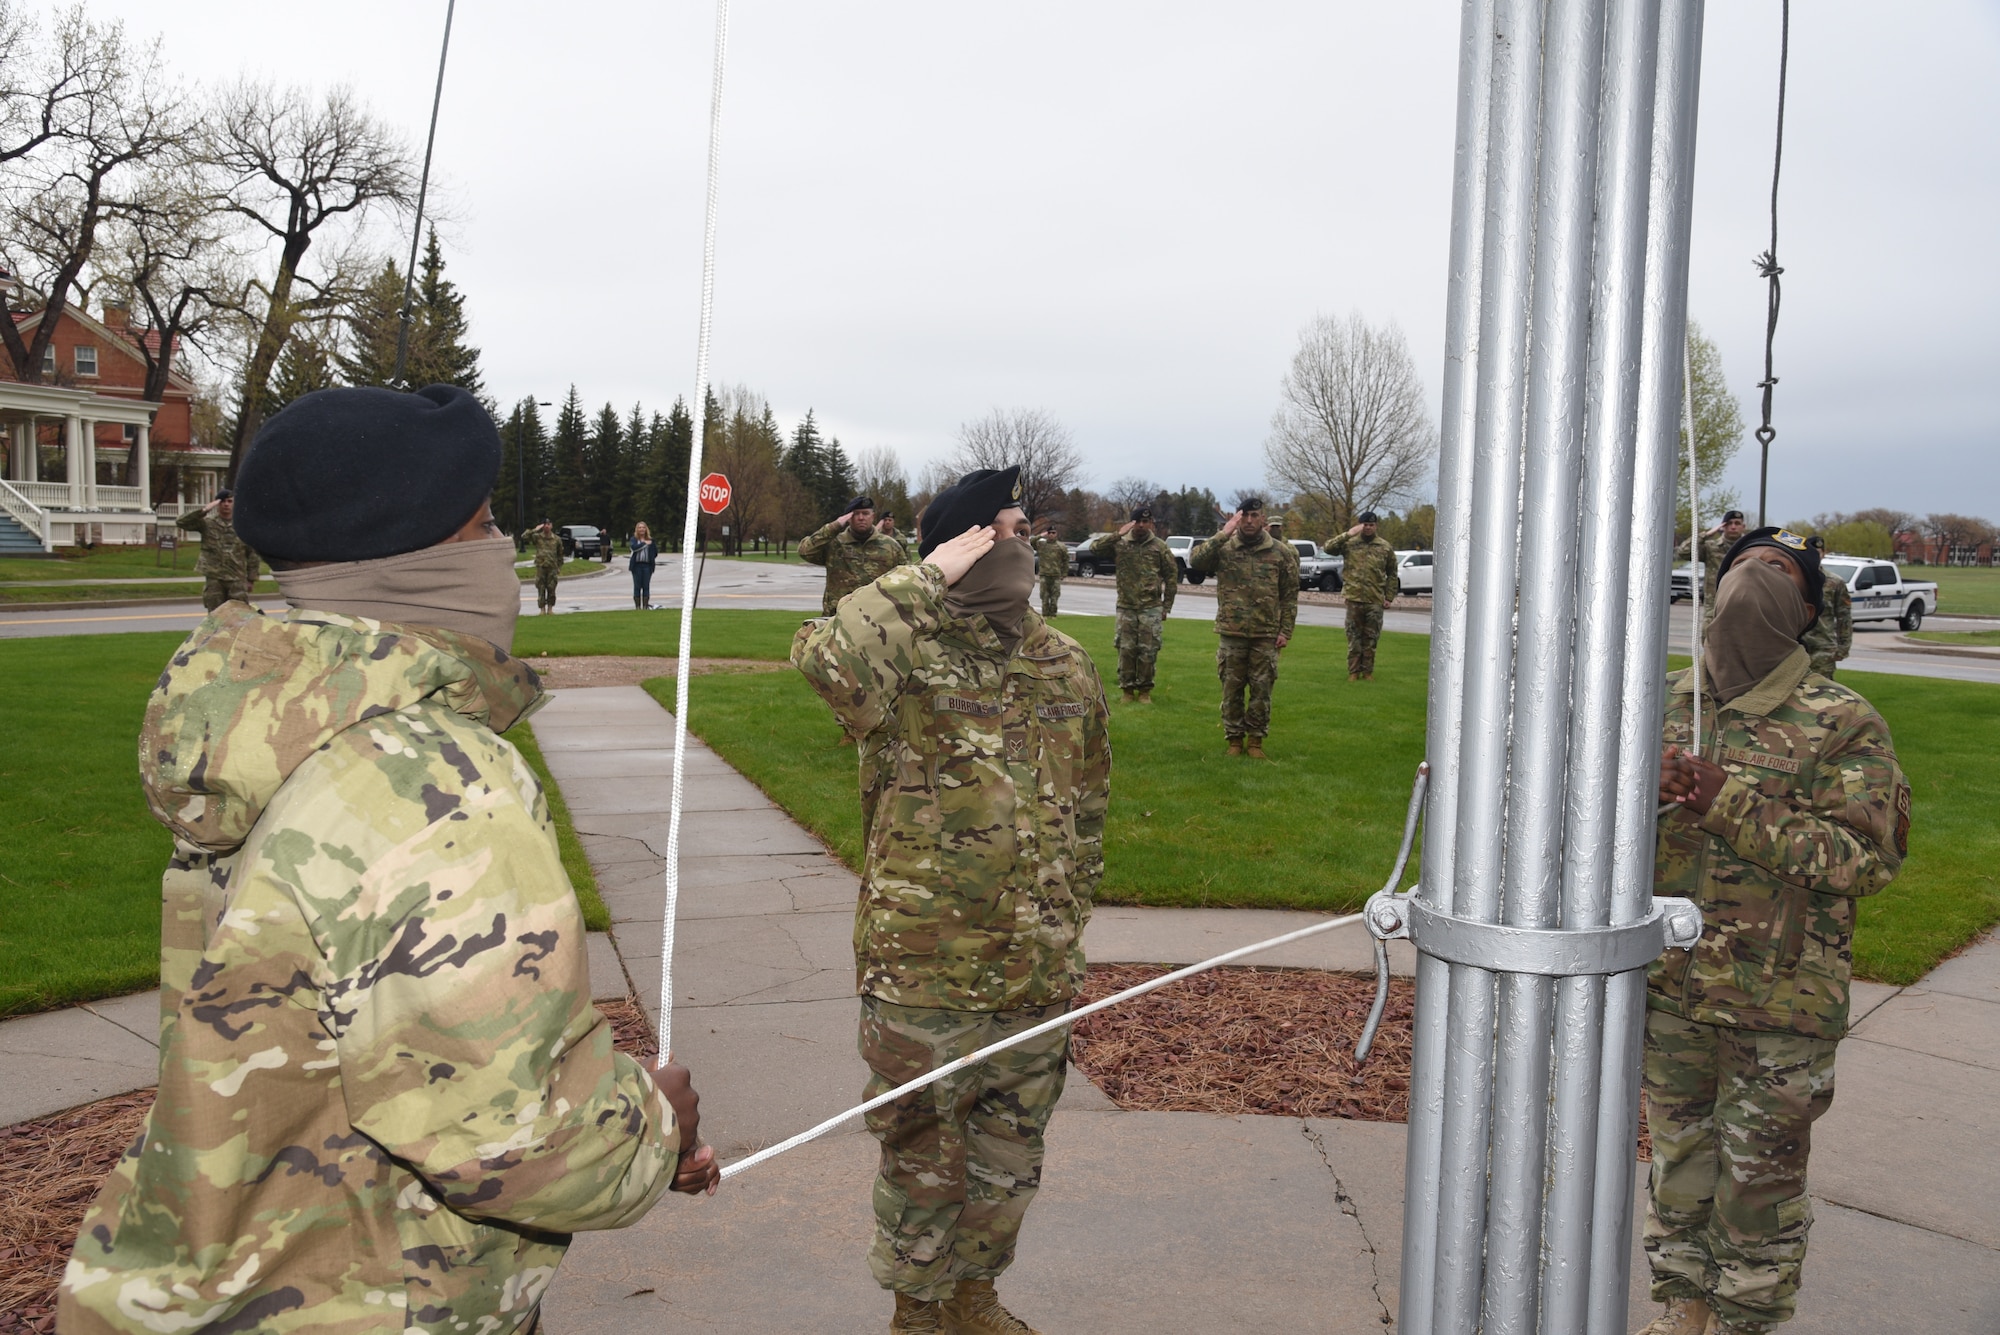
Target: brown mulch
[
  {"x": 1271, "y": 1041},
  {"x": 50, "y": 1169},
  {"x": 631, "y": 1031},
  {"x": 616, "y": 670}
]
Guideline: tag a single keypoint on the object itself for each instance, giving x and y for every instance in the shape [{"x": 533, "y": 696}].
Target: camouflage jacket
[
  {"x": 850, "y": 562},
  {"x": 1051, "y": 558},
  {"x": 984, "y": 782},
  {"x": 385, "y": 1097},
  {"x": 548, "y": 550},
  {"x": 1714, "y": 546},
  {"x": 1815, "y": 813},
  {"x": 1369, "y": 573},
  {"x": 224, "y": 556},
  {"x": 1147, "y": 575},
  {"x": 1830, "y": 638},
  {"x": 1257, "y": 586}
]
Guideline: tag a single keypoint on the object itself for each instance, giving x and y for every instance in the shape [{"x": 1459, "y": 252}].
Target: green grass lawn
[
  {"x": 11, "y": 594},
  {"x": 1959, "y": 636},
  {"x": 1962, "y": 590},
  {"x": 1316, "y": 827},
  {"x": 101, "y": 562}
]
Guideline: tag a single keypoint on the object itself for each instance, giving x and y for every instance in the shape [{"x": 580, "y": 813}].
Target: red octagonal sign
[{"x": 714, "y": 494}]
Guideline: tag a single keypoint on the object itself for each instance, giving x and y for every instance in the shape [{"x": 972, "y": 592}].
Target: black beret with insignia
[
  {"x": 973, "y": 501},
  {"x": 860, "y": 503},
  {"x": 1369, "y": 517},
  {"x": 1142, "y": 514},
  {"x": 1250, "y": 505}
]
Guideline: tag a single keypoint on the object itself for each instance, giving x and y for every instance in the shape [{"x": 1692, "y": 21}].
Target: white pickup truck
[{"x": 1880, "y": 593}]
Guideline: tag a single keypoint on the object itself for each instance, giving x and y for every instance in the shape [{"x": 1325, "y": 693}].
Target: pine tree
[
  {"x": 371, "y": 330},
  {"x": 566, "y": 485},
  {"x": 805, "y": 459},
  {"x": 604, "y": 467},
  {"x": 439, "y": 353},
  {"x": 840, "y": 481},
  {"x": 520, "y": 509},
  {"x": 663, "y": 484},
  {"x": 304, "y": 367}
]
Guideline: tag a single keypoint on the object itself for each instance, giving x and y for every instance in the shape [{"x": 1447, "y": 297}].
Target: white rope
[
  {"x": 772, "y": 1152},
  {"x": 1694, "y": 525},
  {"x": 686, "y": 650}
]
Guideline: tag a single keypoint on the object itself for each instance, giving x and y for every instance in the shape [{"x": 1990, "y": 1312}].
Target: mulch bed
[
  {"x": 50, "y": 1169},
  {"x": 1278, "y": 1042}
]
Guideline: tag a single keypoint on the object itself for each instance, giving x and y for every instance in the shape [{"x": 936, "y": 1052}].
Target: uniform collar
[
  {"x": 1766, "y": 695},
  {"x": 1263, "y": 541}
]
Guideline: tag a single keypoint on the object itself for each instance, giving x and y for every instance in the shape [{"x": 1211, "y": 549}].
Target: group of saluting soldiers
[{"x": 386, "y": 1101}]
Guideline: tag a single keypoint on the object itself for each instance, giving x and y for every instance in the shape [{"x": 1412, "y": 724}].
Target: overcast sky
[{"x": 1123, "y": 212}]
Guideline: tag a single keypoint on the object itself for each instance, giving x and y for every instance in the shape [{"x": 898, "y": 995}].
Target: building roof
[{"x": 126, "y": 342}]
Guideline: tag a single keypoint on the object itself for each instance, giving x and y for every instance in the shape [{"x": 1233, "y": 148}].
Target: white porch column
[
  {"x": 144, "y": 465},
  {"x": 90, "y": 463},
  {"x": 73, "y": 461},
  {"x": 17, "y": 468},
  {"x": 31, "y": 451}
]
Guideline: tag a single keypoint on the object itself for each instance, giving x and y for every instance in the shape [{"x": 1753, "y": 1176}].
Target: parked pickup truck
[
  {"x": 1182, "y": 547},
  {"x": 1317, "y": 570},
  {"x": 1880, "y": 592}
]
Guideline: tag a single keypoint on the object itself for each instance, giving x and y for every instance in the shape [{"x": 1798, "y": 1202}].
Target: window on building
[
  {"x": 49, "y": 360},
  {"x": 86, "y": 361}
]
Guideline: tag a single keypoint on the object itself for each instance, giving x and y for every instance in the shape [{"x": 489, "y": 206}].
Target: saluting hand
[
  {"x": 1234, "y": 520},
  {"x": 957, "y": 556},
  {"x": 1354, "y": 532},
  {"x": 1129, "y": 525}
]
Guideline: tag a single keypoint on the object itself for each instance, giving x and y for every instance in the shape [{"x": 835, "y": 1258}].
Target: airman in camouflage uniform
[
  {"x": 548, "y": 566},
  {"x": 853, "y": 552},
  {"x": 1368, "y": 582},
  {"x": 985, "y": 777},
  {"x": 1831, "y": 637},
  {"x": 1256, "y": 608},
  {"x": 1148, "y": 579},
  {"x": 1051, "y": 564},
  {"x": 1794, "y": 809},
  {"x": 226, "y": 562},
  {"x": 1715, "y": 545}
]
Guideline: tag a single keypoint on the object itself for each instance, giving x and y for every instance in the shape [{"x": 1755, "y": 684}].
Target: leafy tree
[
  {"x": 1718, "y": 433},
  {"x": 1860, "y": 537}
]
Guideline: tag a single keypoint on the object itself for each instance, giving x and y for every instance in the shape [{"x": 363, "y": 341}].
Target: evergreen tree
[
  {"x": 520, "y": 508},
  {"x": 604, "y": 470},
  {"x": 371, "y": 330},
  {"x": 841, "y": 484},
  {"x": 439, "y": 353},
  {"x": 566, "y": 477},
  {"x": 305, "y": 366},
  {"x": 663, "y": 480}
]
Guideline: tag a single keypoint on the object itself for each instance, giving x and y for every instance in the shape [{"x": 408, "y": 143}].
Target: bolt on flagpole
[{"x": 686, "y": 648}]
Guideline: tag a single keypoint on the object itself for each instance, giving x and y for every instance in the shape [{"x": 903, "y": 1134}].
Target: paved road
[{"x": 795, "y": 588}]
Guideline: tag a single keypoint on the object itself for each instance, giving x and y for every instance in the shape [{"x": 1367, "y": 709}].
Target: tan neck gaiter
[
  {"x": 1759, "y": 616},
  {"x": 469, "y": 587}
]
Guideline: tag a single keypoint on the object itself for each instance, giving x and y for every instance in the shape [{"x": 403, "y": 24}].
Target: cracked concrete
[{"x": 1351, "y": 1208}]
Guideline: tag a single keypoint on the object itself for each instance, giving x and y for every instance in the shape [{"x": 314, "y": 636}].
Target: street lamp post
[{"x": 521, "y": 471}]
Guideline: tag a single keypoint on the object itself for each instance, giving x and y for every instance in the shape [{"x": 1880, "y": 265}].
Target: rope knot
[{"x": 1767, "y": 265}]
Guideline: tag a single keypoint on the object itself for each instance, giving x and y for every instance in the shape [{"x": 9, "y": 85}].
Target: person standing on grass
[
  {"x": 548, "y": 567},
  {"x": 645, "y": 555},
  {"x": 1256, "y": 607},
  {"x": 1790, "y": 807},
  {"x": 1368, "y": 583},
  {"x": 1051, "y": 564},
  {"x": 853, "y": 552},
  {"x": 985, "y": 774},
  {"x": 385, "y": 1099},
  {"x": 228, "y": 567},
  {"x": 1148, "y": 579},
  {"x": 1831, "y": 636}
]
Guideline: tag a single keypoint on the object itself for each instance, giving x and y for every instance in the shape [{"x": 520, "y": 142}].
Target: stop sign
[{"x": 714, "y": 494}]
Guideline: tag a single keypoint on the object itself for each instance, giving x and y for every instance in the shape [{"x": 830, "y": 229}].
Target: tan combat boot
[
  {"x": 1235, "y": 746},
  {"x": 914, "y": 1316},
  {"x": 974, "y": 1309},
  {"x": 1130, "y": 696},
  {"x": 1255, "y": 750},
  {"x": 1683, "y": 1316},
  {"x": 1145, "y": 697}
]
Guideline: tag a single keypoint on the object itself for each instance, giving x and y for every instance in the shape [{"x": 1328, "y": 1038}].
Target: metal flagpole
[
  {"x": 1534, "y": 918},
  {"x": 688, "y": 569}
]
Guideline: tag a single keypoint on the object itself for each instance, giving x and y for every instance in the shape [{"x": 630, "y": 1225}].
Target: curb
[{"x": 1905, "y": 645}]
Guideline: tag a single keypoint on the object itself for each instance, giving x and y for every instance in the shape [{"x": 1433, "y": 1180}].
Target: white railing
[
  {"x": 26, "y": 513},
  {"x": 49, "y": 495},
  {"x": 117, "y": 498}
]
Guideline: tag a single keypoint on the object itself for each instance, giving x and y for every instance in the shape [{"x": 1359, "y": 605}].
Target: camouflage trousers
[
  {"x": 961, "y": 1159},
  {"x": 1823, "y": 664},
  {"x": 545, "y": 586},
  {"x": 1248, "y": 666},
  {"x": 215, "y": 592},
  {"x": 1051, "y": 594},
  {"x": 1138, "y": 642},
  {"x": 1364, "y": 632},
  {"x": 1731, "y": 1113}
]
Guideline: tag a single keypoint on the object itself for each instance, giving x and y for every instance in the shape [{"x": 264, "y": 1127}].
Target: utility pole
[{"x": 1535, "y": 919}]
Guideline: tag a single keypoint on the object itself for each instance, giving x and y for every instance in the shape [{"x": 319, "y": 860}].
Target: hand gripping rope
[{"x": 686, "y": 649}]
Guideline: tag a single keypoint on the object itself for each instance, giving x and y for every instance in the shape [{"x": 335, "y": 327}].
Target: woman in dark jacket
[{"x": 645, "y": 554}]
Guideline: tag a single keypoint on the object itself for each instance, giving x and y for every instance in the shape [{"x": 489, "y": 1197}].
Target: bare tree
[
  {"x": 1351, "y": 426},
  {"x": 293, "y": 165},
  {"x": 1896, "y": 521},
  {"x": 1034, "y": 439},
  {"x": 47, "y": 91},
  {"x": 73, "y": 163},
  {"x": 746, "y": 450},
  {"x": 879, "y": 472},
  {"x": 1128, "y": 493},
  {"x": 1949, "y": 531}
]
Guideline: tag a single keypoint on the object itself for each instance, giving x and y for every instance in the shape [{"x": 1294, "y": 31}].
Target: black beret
[
  {"x": 971, "y": 502},
  {"x": 359, "y": 474},
  {"x": 1801, "y": 551},
  {"x": 225, "y": 495},
  {"x": 1250, "y": 505},
  {"x": 1142, "y": 514},
  {"x": 1368, "y": 517},
  {"x": 1728, "y": 515},
  {"x": 860, "y": 503}
]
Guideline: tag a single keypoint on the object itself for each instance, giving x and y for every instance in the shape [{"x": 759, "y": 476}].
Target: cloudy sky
[{"x": 1123, "y": 212}]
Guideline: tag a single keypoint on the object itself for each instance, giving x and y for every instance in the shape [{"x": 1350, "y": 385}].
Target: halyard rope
[
  {"x": 931, "y": 1077},
  {"x": 1694, "y": 526},
  {"x": 686, "y": 650}
]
